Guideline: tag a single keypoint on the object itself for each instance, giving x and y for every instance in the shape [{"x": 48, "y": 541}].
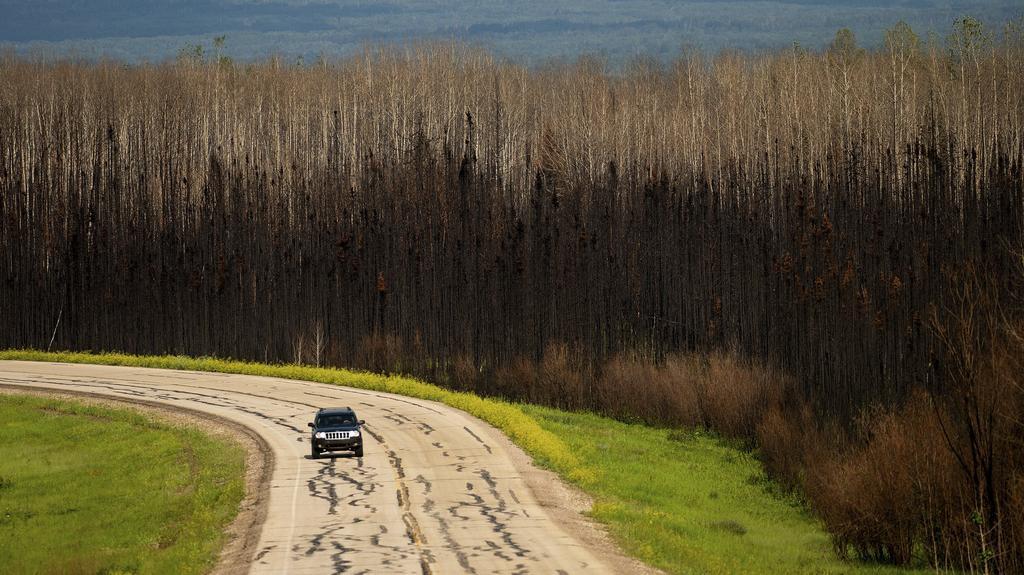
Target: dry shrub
[
  {"x": 680, "y": 378},
  {"x": 939, "y": 477},
  {"x": 1008, "y": 377},
  {"x": 981, "y": 414},
  {"x": 464, "y": 374},
  {"x": 717, "y": 391},
  {"x": 907, "y": 486},
  {"x": 379, "y": 353},
  {"x": 734, "y": 394},
  {"x": 883, "y": 497},
  {"x": 789, "y": 439},
  {"x": 559, "y": 382},
  {"x": 633, "y": 389},
  {"x": 1015, "y": 514},
  {"x": 517, "y": 381}
]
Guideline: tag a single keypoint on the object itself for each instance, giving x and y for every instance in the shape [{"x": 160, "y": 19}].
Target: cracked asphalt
[{"x": 437, "y": 492}]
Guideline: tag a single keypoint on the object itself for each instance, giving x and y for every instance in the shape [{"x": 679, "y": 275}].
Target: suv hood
[{"x": 338, "y": 428}]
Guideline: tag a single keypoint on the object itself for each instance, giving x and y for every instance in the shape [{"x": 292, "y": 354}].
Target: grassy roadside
[
  {"x": 90, "y": 489},
  {"x": 689, "y": 502},
  {"x": 683, "y": 502}
]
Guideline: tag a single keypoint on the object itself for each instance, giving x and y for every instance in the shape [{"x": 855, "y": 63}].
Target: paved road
[{"x": 436, "y": 492}]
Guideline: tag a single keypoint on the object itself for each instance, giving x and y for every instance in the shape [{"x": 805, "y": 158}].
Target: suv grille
[{"x": 338, "y": 435}]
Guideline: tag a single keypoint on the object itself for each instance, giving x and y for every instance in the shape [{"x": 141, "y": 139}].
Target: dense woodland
[{"x": 562, "y": 235}]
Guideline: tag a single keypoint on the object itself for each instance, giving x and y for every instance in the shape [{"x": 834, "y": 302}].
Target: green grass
[
  {"x": 683, "y": 502},
  {"x": 689, "y": 502},
  {"x": 89, "y": 489}
]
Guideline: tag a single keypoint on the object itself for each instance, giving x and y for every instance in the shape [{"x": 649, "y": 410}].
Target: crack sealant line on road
[{"x": 412, "y": 527}]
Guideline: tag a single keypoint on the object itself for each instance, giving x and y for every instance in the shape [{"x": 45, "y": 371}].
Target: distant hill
[{"x": 530, "y": 29}]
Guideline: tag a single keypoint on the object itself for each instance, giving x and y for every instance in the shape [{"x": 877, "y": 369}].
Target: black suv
[{"x": 336, "y": 429}]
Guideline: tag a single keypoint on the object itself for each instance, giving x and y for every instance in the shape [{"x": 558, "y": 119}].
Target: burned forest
[{"x": 740, "y": 241}]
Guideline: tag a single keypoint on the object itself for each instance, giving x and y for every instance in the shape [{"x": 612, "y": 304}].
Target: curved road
[{"x": 437, "y": 491}]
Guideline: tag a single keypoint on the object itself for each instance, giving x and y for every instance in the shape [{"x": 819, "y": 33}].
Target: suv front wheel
[{"x": 314, "y": 452}]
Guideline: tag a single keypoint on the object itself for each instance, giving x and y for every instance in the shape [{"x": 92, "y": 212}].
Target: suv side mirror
[
  {"x": 310, "y": 424},
  {"x": 362, "y": 422}
]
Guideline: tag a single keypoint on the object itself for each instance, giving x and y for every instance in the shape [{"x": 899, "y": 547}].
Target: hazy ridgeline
[{"x": 544, "y": 235}]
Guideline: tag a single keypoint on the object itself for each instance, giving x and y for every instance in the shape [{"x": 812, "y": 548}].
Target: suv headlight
[
  {"x": 353, "y": 434},
  {"x": 320, "y": 435}
]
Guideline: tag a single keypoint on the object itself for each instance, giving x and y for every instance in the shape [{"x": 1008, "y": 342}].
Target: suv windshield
[{"x": 335, "y": 420}]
